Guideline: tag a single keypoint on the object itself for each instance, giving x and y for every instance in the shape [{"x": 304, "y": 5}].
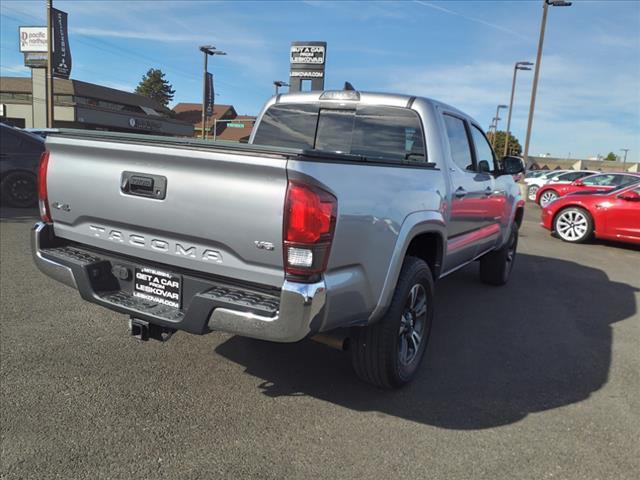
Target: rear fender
[{"x": 415, "y": 224}]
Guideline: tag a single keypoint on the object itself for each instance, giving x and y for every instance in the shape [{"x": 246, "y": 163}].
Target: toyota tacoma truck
[{"x": 339, "y": 216}]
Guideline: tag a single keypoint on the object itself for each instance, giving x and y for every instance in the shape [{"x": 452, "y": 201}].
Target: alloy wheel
[
  {"x": 572, "y": 225},
  {"x": 547, "y": 198},
  {"x": 412, "y": 324},
  {"x": 533, "y": 190}
]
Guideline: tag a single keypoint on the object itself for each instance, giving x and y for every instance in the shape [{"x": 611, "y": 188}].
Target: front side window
[
  {"x": 458, "y": 142},
  {"x": 597, "y": 180},
  {"x": 484, "y": 152}
]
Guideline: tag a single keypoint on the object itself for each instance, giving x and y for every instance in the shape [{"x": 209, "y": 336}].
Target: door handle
[{"x": 460, "y": 192}]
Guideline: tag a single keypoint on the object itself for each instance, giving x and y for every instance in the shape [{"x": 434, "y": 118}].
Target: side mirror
[
  {"x": 512, "y": 165},
  {"x": 630, "y": 196}
]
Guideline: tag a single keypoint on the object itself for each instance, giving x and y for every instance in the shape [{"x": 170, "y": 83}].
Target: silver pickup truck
[{"x": 336, "y": 219}]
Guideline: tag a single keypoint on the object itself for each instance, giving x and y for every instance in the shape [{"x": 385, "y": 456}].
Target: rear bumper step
[{"x": 286, "y": 316}]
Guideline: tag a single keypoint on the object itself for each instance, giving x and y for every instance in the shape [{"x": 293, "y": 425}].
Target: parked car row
[
  {"x": 19, "y": 156},
  {"x": 558, "y": 177},
  {"x": 613, "y": 214}
]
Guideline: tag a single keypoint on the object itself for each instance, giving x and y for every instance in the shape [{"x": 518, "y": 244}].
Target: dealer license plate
[{"x": 158, "y": 286}]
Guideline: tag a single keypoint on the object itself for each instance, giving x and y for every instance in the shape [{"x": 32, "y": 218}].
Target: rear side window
[
  {"x": 292, "y": 126},
  {"x": 458, "y": 142},
  {"x": 571, "y": 176},
  {"x": 621, "y": 180}
]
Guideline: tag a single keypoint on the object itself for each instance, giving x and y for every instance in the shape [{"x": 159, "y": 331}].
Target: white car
[{"x": 534, "y": 183}]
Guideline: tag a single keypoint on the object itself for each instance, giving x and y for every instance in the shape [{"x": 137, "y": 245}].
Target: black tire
[
  {"x": 19, "y": 189},
  {"x": 496, "y": 266},
  {"x": 382, "y": 354},
  {"x": 582, "y": 228}
]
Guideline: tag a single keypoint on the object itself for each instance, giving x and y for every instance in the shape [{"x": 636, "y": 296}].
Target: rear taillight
[
  {"x": 43, "y": 199},
  {"x": 309, "y": 223}
]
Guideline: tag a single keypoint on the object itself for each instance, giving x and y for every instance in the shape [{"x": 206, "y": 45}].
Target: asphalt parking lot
[{"x": 538, "y": 379}]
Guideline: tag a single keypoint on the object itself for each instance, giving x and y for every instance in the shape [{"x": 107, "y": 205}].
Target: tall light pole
[
  {"x": 516, "y": 67},
  {"x": 536, "y": 73},
  {"x": 280, "y": 83},
  {"x": 496, "y": 119},
  {"x": 625, "y": 150},
  {"x": 207, "y": 50}
]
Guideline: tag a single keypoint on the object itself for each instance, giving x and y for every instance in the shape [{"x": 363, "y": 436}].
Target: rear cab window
[{"x": 393, "y": 134}]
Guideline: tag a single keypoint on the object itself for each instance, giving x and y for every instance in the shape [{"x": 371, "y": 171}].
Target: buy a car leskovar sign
[{"x": 307, "y": 65}]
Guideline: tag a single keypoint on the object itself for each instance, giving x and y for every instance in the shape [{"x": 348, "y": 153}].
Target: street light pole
[
  {"x": 625, "y": 150},
  {"x": 496, "y": 119},
  {"x": 206, "y": 50},
  {"x": 279, "y": 83},
  {"x": 516, "y": 67},
  {"x": 204, "y": 92},
  {"x": 49, "y": 85},
  {"x": 536, "y": 72}
]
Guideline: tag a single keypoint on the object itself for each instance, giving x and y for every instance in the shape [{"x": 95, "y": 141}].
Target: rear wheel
[
  {"x": 532, "y": 192},
  {"x": 19, "y": 189},
  {"x": 388, "y": 353},
  {"x": 573, "y": 225},
  {"x": 496, "y": 266},
  {"x": 547, "y": 197}
]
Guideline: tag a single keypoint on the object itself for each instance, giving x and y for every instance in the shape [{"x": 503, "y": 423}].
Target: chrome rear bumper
[{"x": 294, "y": 312}]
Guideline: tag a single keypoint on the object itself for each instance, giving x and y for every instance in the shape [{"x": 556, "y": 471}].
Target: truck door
[
  {"x": 468, "y": 217},
  {"x": 494, "y": 196}
]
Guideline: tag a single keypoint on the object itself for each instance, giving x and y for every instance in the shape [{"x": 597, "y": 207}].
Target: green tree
[
  {"x": 611, "y": 157},
  {"x": 514, "y": 145},
  {"x": 154, "y": 85}
]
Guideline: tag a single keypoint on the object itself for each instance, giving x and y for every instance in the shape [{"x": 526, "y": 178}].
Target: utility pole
[
  {"x": 625, "y": 150},
  {"x": 206, "y": 50},
  {"x": 536, "y": 73},
  {"x": 49, "y": 86},
  {"x": 516, "y": 67}
]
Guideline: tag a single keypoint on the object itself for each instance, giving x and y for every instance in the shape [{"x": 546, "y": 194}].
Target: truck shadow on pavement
[
  {"x": 496, "y": 354},
  {"x": 18, "y": 215}
]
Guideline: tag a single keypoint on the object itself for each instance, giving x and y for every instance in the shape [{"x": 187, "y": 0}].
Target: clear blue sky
[{"x": 460, "y": 52}]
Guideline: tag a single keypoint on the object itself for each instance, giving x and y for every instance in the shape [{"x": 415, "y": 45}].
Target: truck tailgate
[{"x": 218, "y": 205}]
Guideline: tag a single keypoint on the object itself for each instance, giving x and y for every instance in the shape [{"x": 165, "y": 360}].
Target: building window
[{"x": 13, "y": 96}]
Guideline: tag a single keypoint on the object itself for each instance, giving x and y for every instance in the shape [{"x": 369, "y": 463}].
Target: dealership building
[{"x": 84, "y": 105}]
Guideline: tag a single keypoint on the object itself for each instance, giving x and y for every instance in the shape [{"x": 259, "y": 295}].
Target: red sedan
[
  {"x": 598, "y": 182},
  {"x": 613, "y": 215}
]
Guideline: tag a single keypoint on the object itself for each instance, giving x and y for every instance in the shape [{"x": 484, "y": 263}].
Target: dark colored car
[
  {"x": 612, "y": 215},
  {"x": 19, "y": 156}
]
